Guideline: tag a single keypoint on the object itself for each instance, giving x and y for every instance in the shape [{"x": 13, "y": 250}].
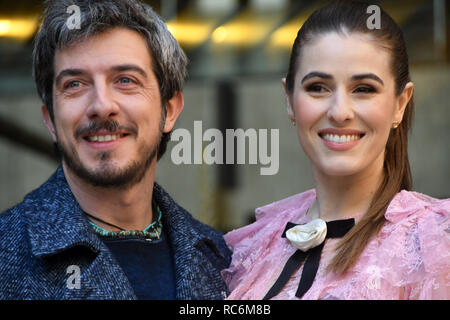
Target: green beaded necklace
[{"x": 152, "y": 232}]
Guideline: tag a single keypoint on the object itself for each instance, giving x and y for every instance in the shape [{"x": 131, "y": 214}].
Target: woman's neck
[{"x": 344, "y": 196}]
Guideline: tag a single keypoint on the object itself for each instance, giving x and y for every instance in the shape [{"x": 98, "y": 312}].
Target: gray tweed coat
[{"x": 47, "y": 232}]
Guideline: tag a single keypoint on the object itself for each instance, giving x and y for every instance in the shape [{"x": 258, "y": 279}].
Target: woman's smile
[{"x": 340, "y": 139}]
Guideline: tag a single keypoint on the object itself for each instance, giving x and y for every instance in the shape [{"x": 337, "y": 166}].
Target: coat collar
[{"x": 56, "y": 223}]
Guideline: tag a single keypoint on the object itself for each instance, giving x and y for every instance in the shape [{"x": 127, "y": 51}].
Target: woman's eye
[
  {"x": 365, "y": 89},
  {"x": 317, "y": 88}
]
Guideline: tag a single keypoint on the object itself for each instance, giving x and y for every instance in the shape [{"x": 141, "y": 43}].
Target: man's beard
[{"x": 107, "y": 174}]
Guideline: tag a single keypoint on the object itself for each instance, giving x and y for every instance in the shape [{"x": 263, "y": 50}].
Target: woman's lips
[{"x": 340, "y": 140}]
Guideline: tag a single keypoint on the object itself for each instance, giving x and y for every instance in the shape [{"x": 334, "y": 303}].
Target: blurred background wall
[{"x": 238, "y": 52}]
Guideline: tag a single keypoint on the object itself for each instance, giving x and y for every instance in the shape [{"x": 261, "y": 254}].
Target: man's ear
[
  {"x": 48, "y": 122},
  {"x": 402, "y": 102},
  {"x": 173, "y": 109},
  {"x": 289, "y": 109}
]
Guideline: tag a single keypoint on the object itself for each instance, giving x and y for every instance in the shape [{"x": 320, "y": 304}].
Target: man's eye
[
  {"x": 74, "y": 84},
  {"x": 125, "y": 80}
]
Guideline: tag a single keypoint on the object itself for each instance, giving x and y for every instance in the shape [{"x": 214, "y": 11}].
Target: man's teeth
[
  {"x": 108, "y": 137},
  {"x": 340, "y": 139}
]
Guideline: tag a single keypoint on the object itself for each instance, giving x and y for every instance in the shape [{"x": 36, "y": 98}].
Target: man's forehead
[{"x": 115, "y": 47}]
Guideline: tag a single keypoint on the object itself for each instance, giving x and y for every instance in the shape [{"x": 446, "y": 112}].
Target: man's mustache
[{"x": 109, "y": 125}]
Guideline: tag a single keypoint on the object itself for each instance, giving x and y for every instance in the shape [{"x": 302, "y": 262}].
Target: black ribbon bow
[{"x": 335, "y": 229}]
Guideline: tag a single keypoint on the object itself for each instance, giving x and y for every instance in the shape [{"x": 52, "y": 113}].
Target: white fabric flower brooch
[
  {"x": 309, "y": 235},
  {"x": 309, "y": 240}
]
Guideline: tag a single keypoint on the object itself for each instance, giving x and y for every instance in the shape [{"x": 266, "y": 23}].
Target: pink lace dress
[{"x": 408, "y": 259}]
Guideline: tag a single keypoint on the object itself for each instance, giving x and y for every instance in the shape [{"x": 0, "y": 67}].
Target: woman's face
[{"x": 344, "y": 103}]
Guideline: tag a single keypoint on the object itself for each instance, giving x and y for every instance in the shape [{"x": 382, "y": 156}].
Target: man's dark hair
[{"x": 98, "y": 16}]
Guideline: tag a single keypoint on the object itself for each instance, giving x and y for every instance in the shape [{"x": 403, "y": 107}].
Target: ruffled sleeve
[{"x": 415, "y": 244}]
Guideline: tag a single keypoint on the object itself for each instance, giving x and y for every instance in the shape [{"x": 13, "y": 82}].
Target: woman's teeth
[
  {"x": 340, "y": 139},
  {"x": 108, "y": 137}
]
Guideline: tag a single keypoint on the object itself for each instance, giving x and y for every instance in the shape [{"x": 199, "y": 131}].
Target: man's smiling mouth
[{"x": 105, "y": 137}]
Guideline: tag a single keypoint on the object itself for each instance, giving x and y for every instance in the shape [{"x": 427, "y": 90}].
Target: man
[{"x": 100, "y": 227}]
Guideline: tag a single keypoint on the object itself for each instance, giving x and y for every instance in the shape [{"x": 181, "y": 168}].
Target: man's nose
[
  {"x": 340, "y": 110},
  {"x": 102, "y": 104}
]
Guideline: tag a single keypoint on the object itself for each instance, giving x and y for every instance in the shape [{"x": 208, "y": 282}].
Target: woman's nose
[{"x": 341, "y": 108}]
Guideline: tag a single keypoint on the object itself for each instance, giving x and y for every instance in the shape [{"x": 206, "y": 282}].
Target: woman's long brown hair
[{"x": 351, "y": 17}]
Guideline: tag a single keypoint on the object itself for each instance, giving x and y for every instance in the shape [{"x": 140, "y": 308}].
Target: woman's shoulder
[
  {"x": 407, "y": 205},
  {"x": 272, "y": 218},
  {"x": 414, "y": 243},
  {"x": 418, "y": 214}
]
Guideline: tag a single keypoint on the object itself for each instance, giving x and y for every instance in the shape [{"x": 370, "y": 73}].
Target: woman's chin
[{"x": 338, "y": 169}]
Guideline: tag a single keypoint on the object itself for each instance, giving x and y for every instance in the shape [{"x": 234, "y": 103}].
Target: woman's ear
[
  {"x": 402, "y": 102},
  {"x": 174, "y": 107},
  {"x": 48, "y": 122},
  {"x": 290, "y": 110}
]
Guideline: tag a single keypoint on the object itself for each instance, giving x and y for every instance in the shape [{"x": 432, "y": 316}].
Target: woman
[{"x": 350, "y": 97}]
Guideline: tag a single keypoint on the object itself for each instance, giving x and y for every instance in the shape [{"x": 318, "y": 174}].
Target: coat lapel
[
  {"x": 57, "y": 226},
  {"x": 198, "y": 260},
  {"x": 102, "y": 279}
]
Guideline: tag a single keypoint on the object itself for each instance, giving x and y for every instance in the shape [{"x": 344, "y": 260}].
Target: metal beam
[{"x": 20, "y": 136}]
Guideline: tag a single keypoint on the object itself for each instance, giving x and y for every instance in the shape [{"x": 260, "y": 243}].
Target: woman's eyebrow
[
  {"x": 367, "y": 76},
  {"x": 317, "y": 74},
  {"x": 353, "y": 78}
]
